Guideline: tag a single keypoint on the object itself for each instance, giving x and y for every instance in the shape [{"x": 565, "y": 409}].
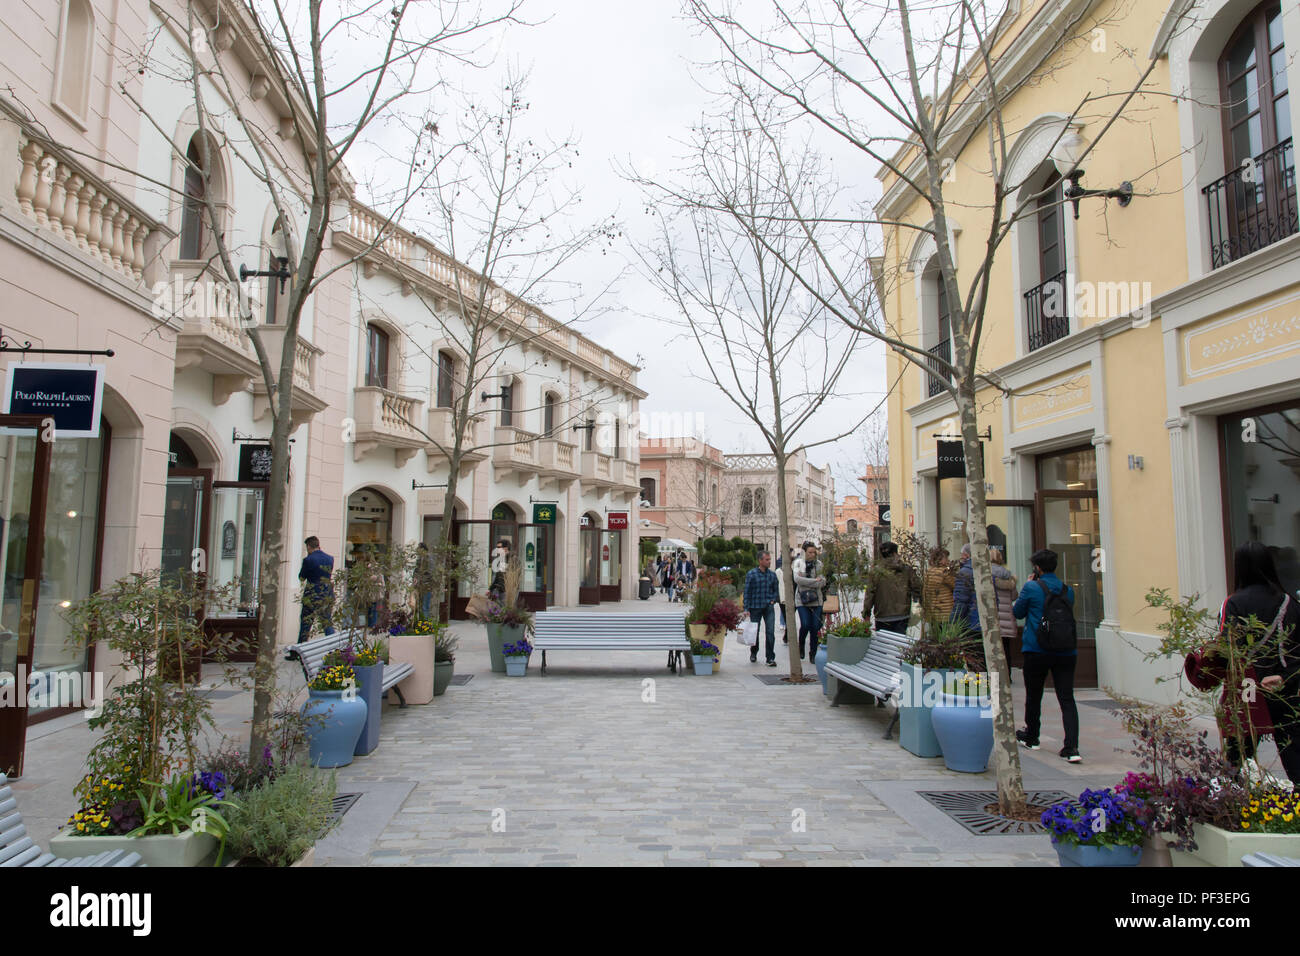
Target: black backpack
[{"x": 1056, "y": 631}]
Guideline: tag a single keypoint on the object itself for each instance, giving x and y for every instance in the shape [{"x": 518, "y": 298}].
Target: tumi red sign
[{"x": 617, "y": 520}]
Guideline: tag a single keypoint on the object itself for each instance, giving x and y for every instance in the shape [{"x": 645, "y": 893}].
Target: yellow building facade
[{"x": 1148, "y": 419}]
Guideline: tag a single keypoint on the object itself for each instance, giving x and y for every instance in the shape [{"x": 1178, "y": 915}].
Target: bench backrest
[
  {"x": 12, "y": 830},
  {"x": 886, "y": 649},
  {"x": 588, "y": 624},
  {"x": 311, "y": 654}
]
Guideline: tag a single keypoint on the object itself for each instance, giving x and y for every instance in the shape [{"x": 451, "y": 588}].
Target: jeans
[
  {"x": 766, "y": 620},
  {"x": 372, "y": 616},
  {"x": 426, "y": 605},
  {"x": 1061, "y": 667},
  {"x": 810, "y": 625},
  {"x": 310, "y": 614}
]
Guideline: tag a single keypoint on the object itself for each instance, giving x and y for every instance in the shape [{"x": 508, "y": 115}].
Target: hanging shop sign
[
  {"x": 544, "y": 514},
  {"x": 884, "y": 517},
  {"x": 70, "y": 395},
  {"x": 952, "y": 459},
  {"x": 254, "y": 462},
  {"x": 617, "y": 521}
]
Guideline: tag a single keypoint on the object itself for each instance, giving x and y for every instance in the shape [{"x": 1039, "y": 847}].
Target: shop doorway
[
  {"x": 589, "y": 555},
  {"x": 24, "y": 480}
]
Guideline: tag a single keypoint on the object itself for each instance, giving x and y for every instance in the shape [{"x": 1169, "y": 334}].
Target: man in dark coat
[{"x": 318, "y": 591}]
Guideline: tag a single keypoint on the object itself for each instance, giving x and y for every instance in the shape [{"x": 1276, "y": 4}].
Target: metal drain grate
[
  {"x": 460, "y": 680},
  {"x": 342, "y": 804},
  {"x": 967, "y": 808},
  {"x": 779, "y": 680}
]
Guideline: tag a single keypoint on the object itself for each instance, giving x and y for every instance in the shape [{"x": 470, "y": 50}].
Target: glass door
[
  {"x": 535, "y": 560},
  {"x": 474, "y": 535},
  {"x": 235, "y": 562},
  {"x": 184, "y": 502},
  {"x": 611, "y": 565},
  {"x": 589, "y": 556},
  {"x": 24, "y": 481},
  {"x": 1070, "y": 524}
]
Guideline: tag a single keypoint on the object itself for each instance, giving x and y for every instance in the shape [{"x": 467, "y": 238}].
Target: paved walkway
[{"x": 610, "y": 759}]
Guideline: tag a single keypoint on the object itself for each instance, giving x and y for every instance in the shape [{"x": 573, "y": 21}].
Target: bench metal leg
[
  {"x": 889, "y": 731},
  {"x": 672, "y": 661},
  {"x": 543, "y": 662},
  {"x": 402, "y": 700}
]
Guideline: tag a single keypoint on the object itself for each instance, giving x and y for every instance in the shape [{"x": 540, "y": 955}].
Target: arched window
[
  {"x": 377, "y": 345},
  {"x": 193, "y": 211},
  {"x": 75, "y": 58},
  {"x": 713, "y": 495},
  {"x": 1045, "y": 303},
  {"x": 852, "y": 526},
  {"x": 1258, "y": 209},
  {"x": 760, "y": 501},
  {"x": 548, "y": 414},
  {"x": 648, "y": 490},
  {"x": 446, "y": 379},
  {"x": 747, "y": 502},
  {"x": 699, "y": 491},
  {"x": 278, "y": 253},
  {"x": 942, "y": 347}
]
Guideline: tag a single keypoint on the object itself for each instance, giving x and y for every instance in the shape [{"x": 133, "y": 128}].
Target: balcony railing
[
  {"x": 1253, "y": 206},
  {"x": 938, "y": 378},
  {"x": 1047, "y": 311}
]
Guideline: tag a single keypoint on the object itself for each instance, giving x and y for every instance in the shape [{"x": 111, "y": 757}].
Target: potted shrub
[
  {"x": 963, "y": 722},
  {"x": 847, "y": 642},
  {"x": 938, "y": 653},
  {"x": 444, "y": 658},
  {"x": 724, "y": 615},
  {"x": 516, "y": 657},
  {"x": 366, "y": 658},
  {"x": 1100, "y": 828},
  {"x": 278, "y": 821},
  {"x": 507, "y": 620},
  {"x": 337, "y": 716},
  {"x": 703, "y": 654}
]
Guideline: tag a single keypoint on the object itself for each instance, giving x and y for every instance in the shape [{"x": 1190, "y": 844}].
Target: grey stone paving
[{"x": 580, "y": 767}]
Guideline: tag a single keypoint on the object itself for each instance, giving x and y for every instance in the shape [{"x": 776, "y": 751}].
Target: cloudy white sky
[{"x": 624, "y": 78}]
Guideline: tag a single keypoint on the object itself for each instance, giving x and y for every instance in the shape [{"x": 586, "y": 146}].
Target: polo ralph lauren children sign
[{"x": 69, "y": 394}]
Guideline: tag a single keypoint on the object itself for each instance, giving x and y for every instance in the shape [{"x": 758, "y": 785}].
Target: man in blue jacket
[
  {"x": 318, "y": 591},
  {"x": 964, "y": 605},
  {"x": 1038, "y": 663}
]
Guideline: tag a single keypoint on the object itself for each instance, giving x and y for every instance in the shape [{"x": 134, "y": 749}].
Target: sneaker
[
  {"x": 771, "y": 663},
  {"x": 753, "y": 658},
  {"x": 1027, "y": 743},
  {"x": 1071, "y": 755}
]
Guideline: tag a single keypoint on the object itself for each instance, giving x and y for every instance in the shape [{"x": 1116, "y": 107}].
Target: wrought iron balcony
[
  {"x": 1253, "y": 206},
  {"x": 938, "y": 378},
  {"x": 1046, "y": 308}
]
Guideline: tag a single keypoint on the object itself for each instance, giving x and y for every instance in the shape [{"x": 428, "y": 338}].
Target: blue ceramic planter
[
  {"x": 703, "y": 665},
  {"x": 333, "y": 738},
  {"x": 915, "y": 727},
  {"x": 516, "y": 666},
  {"x": 965, "y": 732},
  {"x": 1098, "y": 855},
  {"x": 369, "y": 681},
  {"x": 820, "y": 662}
]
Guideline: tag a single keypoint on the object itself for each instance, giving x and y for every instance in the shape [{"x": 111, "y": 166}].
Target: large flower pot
[
  {"x": 500, "y": 635},
  {"x": 964, "y": 727},
  {"x": 819, "y": 660},
  {"x": 703, "y": 665},
  {"x": 442, "y": 674},
  {"x": 369, "y": 681},
  {"x": 416, "y": 650},
  {"x": 190, "y": 848},
  {"x": 337, "y": 718},
  {"x": 1084, "y": 855},
  {"x": 846, "y": 650},
  {"x": 516, "y": 666},
  {"x": 1215, "y": 847},
  {"x": 920, "y": 692}
]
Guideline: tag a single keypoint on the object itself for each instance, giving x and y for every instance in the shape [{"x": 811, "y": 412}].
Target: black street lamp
[
  {"x": 280, "y": 255},
  {"x": 1065, "y": 156}
]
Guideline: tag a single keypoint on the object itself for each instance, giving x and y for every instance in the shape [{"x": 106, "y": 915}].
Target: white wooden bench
[
  {"x": 311, "y": 655},
  {"x": 1269, "y": 859},
  {"x": 879, "y": 673},
  {"x": 17, "y": 848},
  {"x": 594, "y": 631}
]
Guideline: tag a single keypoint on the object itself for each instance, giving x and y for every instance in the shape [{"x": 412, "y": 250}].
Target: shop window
[
  {"x": 1261, "y": 467},
  {"x": 370, "y": 522}
]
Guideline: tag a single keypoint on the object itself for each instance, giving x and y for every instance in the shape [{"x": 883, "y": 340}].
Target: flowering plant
[
  {"x": 725, "y": 615},
  {"x": 1097, "y": 818},
  {"x": 519, "y": 648},
  {"x": 967, "y": 685},
  {"x": 853, "y": 627},
  {"x": 425, "y": 626},
  {"x": 367, "y": 652},
  {"x": 208, "y": 781},
  {"x": 703, "y": 648},
  {"x": 507, "y": 615},
  {"x": 337, "y": 677},
  {"x": 1272, "y": 811}
]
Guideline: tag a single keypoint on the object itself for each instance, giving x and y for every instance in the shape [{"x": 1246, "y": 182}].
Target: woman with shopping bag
[{"x": 762, "y": 590}]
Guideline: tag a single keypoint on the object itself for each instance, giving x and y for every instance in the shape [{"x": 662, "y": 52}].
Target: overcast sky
[{"x": 620, "y": 76}]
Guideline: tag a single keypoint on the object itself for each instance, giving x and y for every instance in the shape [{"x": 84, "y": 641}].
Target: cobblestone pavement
[{"x": 611, "y": 759}]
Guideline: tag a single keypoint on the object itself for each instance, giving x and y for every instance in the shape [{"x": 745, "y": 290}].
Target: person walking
[
  {"x": 1004, "y": 588},
  {"x": 1032, "y": 605},
  {"x": 762, "y": 590},
  {"x": 964, "y": 606},
  {"x": 809, "y": 579},
  {"x": 318, "y": 590},
  {"x": 937, "y": 585},
  {"x": 1274, "y": 661},
  {"x": 892, "y": 586}
]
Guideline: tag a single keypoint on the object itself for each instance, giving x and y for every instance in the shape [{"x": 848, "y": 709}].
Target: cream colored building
[
  {"x": 1155, "y": 420},
  {"x": 751, "y": 499},
  {"x": 94, "y": 255}
]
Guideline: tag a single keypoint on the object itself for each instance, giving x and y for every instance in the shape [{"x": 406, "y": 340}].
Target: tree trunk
[{"x": 787, "y": 571}]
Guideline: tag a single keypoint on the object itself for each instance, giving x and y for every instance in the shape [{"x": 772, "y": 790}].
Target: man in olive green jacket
[{"x": 891, "y": 588}]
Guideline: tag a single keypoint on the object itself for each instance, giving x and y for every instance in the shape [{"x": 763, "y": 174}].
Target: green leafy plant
[
  {"x": 179, "y": 806},
  {"x": 942, "y": 647},
  {"x": 444, "y": 645},
  {"x": 853, "y": 627},
  {"x": 337, "y": 677},
  {"x": 281, "y": 819}
]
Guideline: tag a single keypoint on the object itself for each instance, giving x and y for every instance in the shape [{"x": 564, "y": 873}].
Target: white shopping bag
[{"x": 749, "y": 633}]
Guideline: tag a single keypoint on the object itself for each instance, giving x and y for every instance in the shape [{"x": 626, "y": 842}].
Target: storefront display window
[{"x": 1261, "y": 468}]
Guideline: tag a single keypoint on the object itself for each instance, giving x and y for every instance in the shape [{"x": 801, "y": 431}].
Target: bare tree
[
  {"x": 765, "y": 343},
  {"x": 299, "y": 162},
  {"x": 907, "y": 84}
]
